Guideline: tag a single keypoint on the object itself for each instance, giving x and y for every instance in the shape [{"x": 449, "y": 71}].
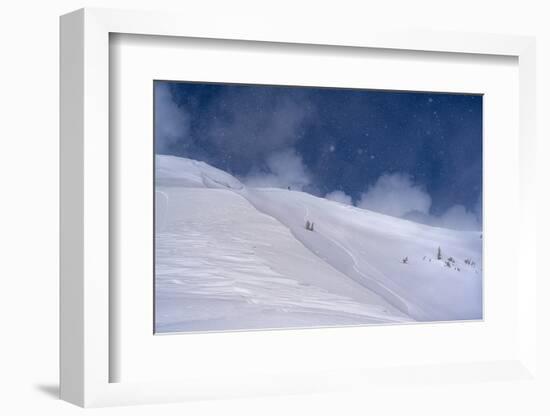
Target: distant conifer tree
[{"x": 439, "y": 256}]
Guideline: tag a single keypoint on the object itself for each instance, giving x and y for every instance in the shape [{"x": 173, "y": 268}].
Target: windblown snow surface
[{"x": 228, "y": 257}]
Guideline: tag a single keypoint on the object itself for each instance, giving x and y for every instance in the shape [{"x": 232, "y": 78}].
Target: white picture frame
[{"x": 86, "y": 302}]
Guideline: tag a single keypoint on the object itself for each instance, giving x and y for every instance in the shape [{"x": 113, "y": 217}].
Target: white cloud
[
  {"x": 171, "y": 121},
  {"x": 339, "y": 196},
  {"x": 457, "y": 217},
  {"x": 478, "y": 209},
  {"x": 285, "y": 168},
  {"x": 256, "y": 123},
  {"x": 246, "y": 128},
  {"x": 395, "y": 195}
]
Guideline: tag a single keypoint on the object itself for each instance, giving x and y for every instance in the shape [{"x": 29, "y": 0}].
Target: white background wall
[{"x": 29, "y": 207}]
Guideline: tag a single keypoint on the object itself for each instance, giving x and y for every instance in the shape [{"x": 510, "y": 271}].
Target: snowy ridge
[
  {"x": 177, "y": 171},
  {"x": 232, "y": 257}
]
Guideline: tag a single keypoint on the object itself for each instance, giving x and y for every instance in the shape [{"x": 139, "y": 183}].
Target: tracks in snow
[{"x": 368, "y": 281}]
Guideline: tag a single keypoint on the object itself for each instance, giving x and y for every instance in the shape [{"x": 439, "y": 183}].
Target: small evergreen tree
[
  {"x": 308, "y": 225},
  {"x": 439, "y": 256}
]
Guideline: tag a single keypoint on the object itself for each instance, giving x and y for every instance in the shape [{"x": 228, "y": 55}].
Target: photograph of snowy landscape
[{"x": 297, "y": 207}]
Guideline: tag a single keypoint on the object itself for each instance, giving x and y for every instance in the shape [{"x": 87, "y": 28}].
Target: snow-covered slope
[
  {"x": 178, "y": 171},
  {"x": 370, "y": 247},
  {"x": 228, "y": 257}
]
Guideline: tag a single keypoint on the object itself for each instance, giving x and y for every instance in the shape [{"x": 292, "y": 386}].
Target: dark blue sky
[{"x": 346, "y": 138}]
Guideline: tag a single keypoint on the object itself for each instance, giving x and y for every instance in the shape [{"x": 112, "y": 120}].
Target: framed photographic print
[
  {"x": 279, "y": 212},
  {"x": 287, "y": 206}
]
